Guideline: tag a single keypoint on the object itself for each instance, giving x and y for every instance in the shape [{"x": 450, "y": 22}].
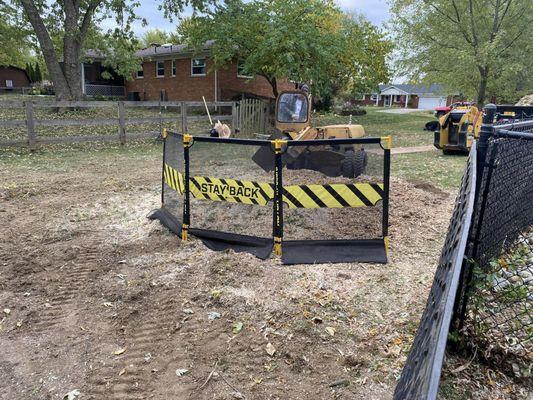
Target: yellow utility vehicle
[
  {"x": 293, "y": 122},
  {"x": 457, "y": 129}
]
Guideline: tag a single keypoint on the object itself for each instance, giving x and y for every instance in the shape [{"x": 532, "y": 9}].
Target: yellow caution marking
[{"x": 335, "y": 195}]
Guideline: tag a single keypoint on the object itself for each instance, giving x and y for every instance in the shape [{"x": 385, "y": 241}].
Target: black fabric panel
[
  {"x": 220, "y": 241},
  {"x": 333, "y": 251},
  {"x": 167, "y": 219}
]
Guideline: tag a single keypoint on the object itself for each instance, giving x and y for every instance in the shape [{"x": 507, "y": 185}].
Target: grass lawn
[{"x": 406, "y": 129}]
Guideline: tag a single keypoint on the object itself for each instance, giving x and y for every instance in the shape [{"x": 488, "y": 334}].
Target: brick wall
[
  {"x": 19, "y": 77},
  {"x": 185, "y": 87}
]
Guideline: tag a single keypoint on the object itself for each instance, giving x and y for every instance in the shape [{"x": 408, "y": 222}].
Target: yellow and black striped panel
[
  {"x": 335, "y": 195},
  {"x": 173, "y": 178},
  {"x": 231, "y": 190}
]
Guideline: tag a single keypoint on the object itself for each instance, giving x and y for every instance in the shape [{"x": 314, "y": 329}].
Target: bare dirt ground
[{"x": 98, "y": 299}]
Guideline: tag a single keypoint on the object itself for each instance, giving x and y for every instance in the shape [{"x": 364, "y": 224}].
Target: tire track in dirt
[
  {"x": 131, "y": 375},
  {"x": 74, "y": 279}
]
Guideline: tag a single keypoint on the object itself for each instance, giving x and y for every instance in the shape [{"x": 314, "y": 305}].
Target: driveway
[{"x": 401, "y": 110}]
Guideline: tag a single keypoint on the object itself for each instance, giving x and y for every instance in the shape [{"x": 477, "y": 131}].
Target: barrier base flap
[
  {"x": 220, "y": 241},
  {"x": 333, "y": 251},
  {"x": 167, "y": 219}
]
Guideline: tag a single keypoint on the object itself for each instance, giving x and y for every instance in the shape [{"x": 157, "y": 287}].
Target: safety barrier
[{"x": 192, "y": 187}]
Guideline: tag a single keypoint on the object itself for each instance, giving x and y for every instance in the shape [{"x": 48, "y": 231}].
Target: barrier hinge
[
  {"x": 278, "y": 144},
  {"x": 187, "y": 139}
]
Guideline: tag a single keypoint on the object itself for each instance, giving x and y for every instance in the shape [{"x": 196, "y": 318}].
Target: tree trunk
[
  {"x": 482, "y": 88},
  {"x": 274, "y": 84}
]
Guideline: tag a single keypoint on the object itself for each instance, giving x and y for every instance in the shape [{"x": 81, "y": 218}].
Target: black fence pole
[
  {"x": 278, "y": 196},
  {"x": 386, "y": 191},
  {"x": 187, "y": 141},
  {"x": 164, "y": 136}
]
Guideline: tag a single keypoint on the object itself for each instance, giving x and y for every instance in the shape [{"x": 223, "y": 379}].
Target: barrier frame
[{"x": 338, "y": 250}]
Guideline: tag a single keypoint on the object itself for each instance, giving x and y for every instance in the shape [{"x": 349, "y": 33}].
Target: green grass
[
  {"x": 434, "y": 167},
  {"x": 406, "y": 129}
]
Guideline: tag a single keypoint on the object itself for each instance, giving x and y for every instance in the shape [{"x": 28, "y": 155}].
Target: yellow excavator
[
  {"x": 457, "y": 129},
  {"x": 293, "y": 122}
]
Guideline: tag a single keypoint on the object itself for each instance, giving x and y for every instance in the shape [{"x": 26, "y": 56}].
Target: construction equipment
[
  {"x": 457, "y": 129},
  {"x": 293, "y": 122}
]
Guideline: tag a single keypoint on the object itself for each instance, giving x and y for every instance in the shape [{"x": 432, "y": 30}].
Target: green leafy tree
[
  {"x": 64, "y": 28},
  {"x": 309, "y": 41},
  {"x": 481, "y": 48},
  {"x": 155, "y": 36},
  {"x": 15, "y": 37},
  {"x": 38, "y": 76}
]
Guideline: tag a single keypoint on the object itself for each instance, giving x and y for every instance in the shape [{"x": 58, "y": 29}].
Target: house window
[
  {"x": 140, "y": 72},
  {"x": 159, "y": 69},
  {"x": 9, "y": 83},
  {"x": 198, "y": 67},
  {"x": 173, "y": 67},
  {"x": 240, "y": 70}
]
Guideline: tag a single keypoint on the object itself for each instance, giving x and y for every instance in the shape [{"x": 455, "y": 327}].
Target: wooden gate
[{"x": 253, "y": 117}]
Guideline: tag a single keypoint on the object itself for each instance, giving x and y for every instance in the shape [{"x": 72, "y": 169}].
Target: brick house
[
  {"x": 408, "y": 96},
  {"x": 174, "y": 73},
  {"x": 13, "y": 78}
]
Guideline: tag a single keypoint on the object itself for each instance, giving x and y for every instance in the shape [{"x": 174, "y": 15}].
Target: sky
[{"x": 377, "y": 11}]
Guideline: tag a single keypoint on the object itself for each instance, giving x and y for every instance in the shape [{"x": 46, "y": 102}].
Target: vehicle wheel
[{"x": 354, "y": 164}]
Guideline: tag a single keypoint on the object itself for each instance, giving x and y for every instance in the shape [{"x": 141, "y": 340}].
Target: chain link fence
[{"x": 488, "y": 281}]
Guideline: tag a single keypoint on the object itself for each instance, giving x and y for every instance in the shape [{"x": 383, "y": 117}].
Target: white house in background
[{"x": 424, "y": 97}]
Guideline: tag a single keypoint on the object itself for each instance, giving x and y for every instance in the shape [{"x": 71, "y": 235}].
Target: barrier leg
[
  {"x": 386, "y": 192},
  {"x": 278, "y": 198},
  {"x": 187, "y": 139},
  {"x": 164, "y": 135}
]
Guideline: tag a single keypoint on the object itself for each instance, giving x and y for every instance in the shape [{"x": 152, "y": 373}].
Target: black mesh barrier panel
[
  {"x": 333, "y": 203},
  {"x": 171, "y": 212},
  {"x": 499, "y": 311},
  {"x": 231, "y": 197},
  {"x": 421, "y": 374}
]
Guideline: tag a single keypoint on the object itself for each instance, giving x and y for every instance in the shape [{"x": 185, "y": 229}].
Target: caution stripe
[{"x": 335, "y": 195}]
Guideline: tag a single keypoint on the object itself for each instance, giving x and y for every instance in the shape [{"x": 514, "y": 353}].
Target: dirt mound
[{"x": 526, "y": 100}]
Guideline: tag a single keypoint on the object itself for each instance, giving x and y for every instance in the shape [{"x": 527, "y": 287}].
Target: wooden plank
[
  {"x": 75, "y": 104},
  {"x": 77, "y": 139},
  {"x": 13, "y": 142},
  {"x": 30, "y": 125},
  {"x": 152, "y": 119},
  {"x": 152, "y": 103},
  {"x": 11, "y": 104},
  {"x": 206, "y": 118},
  {"x": 76, "y": 122},
  {"x": 12, "y": 123},
  {"x": 209, "y": 103}
]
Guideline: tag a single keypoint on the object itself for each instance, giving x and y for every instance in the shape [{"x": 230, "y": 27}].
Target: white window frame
[
  {"x": 173, "y": 68},
  {"x": 157, "y": 69},
  {"x": 139, "y": 70},
  {"x": 240, "y": 75},
  {"x": 9, "y": 83},
  {"x": 198, "y": 66}
]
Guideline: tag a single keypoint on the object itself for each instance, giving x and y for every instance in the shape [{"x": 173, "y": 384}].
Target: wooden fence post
[
  {"x": 183, "y": 108},
  {"x": 30, "y": 125},
  {"x": 121, "y": 123},
  {"x": 235, "y": 118}
]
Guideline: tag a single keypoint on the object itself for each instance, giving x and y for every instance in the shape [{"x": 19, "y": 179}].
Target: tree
[
  {"x": 310, "y": 41},
  {"x": 154, "y": 36},
  {"x": 482, "y": 48},
  {"x": 37, "y": 73},
  {"x": 15, "y": 43},
  {"x": 62, "y": 28}
]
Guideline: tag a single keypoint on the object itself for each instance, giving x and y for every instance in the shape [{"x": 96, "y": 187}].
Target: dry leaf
[
  {"x": 7, "y": 311},
  {"x": 270, "y": 349},
  {"x": 122, "y": 372},
  {"x": 181, "y": 371},
  {"x": 330, "y": 330},
  {"x": 119, "y": 351}
]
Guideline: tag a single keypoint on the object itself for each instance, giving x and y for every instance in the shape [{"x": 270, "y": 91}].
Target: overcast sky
[{"x": 377, "y": 11}]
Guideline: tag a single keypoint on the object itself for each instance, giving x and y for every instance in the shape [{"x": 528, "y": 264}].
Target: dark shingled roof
[
  {"x": 433, "y": 89},
  {"x": 163, "y": 50}
]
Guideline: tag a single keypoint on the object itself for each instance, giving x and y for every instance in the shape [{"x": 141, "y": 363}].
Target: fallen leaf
[
  {"x": 270, "y": 349},
  {"x": 72, "y": 395},
  {"x": 119, "y": 351},
  {"x": 330, "y": 330},
  {"x": 237, "y": 395},
  {"x": 237, "y": 327},
  {"x": 181, "y": 371},
  {"x": 19, "y": 323},
  {"x": 107, "y": 304},
  {"x": 7, "y": 311},
  {"x": 122, "y": 372}
]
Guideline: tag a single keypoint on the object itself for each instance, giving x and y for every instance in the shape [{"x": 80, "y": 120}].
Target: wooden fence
[
  {"x": 253, "y": 116},
  {"x": 32, "y": 139}
]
